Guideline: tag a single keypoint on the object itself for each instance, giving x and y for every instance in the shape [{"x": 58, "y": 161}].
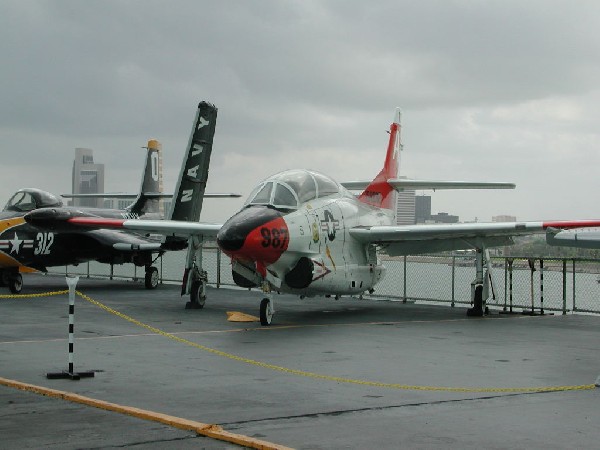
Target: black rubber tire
[
  {"x": 196, "y": 297},
  {"x": 266, "y": 316},
  {"x": 152, "y": 279},
  {"x": 15, "y": 283}
]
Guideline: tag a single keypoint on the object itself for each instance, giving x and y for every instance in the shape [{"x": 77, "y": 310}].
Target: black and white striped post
[{"x": 70, "y": 373}]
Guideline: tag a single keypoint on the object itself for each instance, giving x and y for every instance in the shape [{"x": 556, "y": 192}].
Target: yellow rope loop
[
  {"x": 329, "y": 377},
  {"x": 41, "y": 294}
]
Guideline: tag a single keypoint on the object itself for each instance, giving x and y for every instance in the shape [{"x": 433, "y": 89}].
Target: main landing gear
[
  {"x": 12, "y": 279},
  {"x": 195, "y": 279},
  {"x": 197, "y": 289},
  {"x": 478, "y": 296},
  {"x": 152, "y": 278}
]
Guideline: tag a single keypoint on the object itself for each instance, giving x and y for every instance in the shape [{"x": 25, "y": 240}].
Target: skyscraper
[
  {"x": 88, "y": 178},
  {"x": 405, "y": 207},
  {"x": 422, "y": 208}
]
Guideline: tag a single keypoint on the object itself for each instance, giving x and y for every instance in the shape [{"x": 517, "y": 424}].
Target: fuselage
[
  {"x": 305, "y": 247},
  {"x": 46, "y": 240}
]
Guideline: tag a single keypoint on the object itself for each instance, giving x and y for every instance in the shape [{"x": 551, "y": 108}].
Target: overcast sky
[{"x": 489, "y": 90}]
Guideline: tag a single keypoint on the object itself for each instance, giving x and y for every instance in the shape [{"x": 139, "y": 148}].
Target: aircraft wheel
[
  {"x": 197, "y": 297},
  {"x": 152, "y": 278},
  {"x": 266, "y": 312},
  {"x": 15, "y": 283}
]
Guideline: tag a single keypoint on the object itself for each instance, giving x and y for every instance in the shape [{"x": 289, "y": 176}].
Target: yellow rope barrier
[
  {"x": 41, "y": 294},
  {"x": 329, "y": 377}
]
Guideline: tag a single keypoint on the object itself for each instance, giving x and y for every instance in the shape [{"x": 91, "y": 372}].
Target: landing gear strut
[{"x": 195, "y": 279}]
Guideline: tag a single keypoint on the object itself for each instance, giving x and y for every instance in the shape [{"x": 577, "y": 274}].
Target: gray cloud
[{"x": 482, "y": 85}]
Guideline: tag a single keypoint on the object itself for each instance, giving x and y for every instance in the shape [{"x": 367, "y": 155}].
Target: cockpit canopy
[
  {"x": 292, "y": 188},
  {"x": 29, "y": 199}
]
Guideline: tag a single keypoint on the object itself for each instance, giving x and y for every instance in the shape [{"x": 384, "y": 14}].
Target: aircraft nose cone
[
  {"x": 233, "y": 234},
  {"x": 257, "y": 233}
]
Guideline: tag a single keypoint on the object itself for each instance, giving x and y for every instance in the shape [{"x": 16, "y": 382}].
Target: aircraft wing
[
  {"x": 401, "y": 184},
  {"x": 417, "y": 239},
  {"x": 176, "y": 228},
  {"x": 148, "y": 195},
  {"x": 583, "y": 239}
]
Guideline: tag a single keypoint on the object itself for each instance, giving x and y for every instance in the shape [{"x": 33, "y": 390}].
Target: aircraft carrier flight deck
[{"x": 327, "y": 374}]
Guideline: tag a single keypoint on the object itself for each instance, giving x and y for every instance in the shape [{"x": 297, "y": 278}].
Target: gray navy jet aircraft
[{"x": 45, "y": 238}]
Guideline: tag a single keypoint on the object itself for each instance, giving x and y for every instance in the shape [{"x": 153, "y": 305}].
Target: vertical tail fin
[
  {"x": 151, "y": 183},
  {"x": 379, "y": 193},
  {"x": 189, "y": 193}
]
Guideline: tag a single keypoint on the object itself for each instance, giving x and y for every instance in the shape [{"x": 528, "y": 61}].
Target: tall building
[
  {"x": 504, "y": 218},
  {"x": 422, "y": 208},
  {"x": 405, "y": 208},
  {"x": 443, "y": 217},
  {"x": 88, "y": 178}
]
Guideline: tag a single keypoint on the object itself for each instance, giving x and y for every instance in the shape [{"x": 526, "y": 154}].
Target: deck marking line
[
  {"x": 204, "y": 429},
  {"x": 329, "y": 377}
]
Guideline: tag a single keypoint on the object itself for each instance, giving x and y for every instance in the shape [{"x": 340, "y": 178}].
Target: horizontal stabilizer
[
  {"x": 583, "y": 239},
  {"x": 401, "y": 184}
]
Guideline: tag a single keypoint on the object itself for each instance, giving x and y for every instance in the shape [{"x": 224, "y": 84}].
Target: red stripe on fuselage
[
  {"x": 571, "y": 224},
  {"x": 98, "y": 222}
]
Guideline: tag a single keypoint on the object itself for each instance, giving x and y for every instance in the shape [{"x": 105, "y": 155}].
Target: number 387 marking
[
  {"x": 43, "y": 242},
  {"x": 274, "y": 237}
]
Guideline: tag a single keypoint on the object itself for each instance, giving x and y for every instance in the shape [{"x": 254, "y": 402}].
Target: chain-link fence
[{"x": 565, "y": 285}]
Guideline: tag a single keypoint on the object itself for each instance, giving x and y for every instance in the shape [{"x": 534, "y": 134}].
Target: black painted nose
[{"x": 233, "y": 233}]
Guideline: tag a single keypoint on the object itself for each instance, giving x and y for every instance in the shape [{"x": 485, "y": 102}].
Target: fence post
[
  {"x": 564, "y": 311},
  {"x": 161, "y": 270},
  {"x": 542, "y": 287},
  {"x": 453, "y": 278},
  {"x": 531, "y": 263},
  {"x": 510, "y": 287},
  {"x": 218, "y": 268},
  {"x": 404, "y": 281},
  {"x": 574, "y": 278},
  {"x": 505, "y": 282}
]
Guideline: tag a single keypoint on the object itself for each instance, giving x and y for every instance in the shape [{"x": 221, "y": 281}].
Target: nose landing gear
[{"x": 267, "y": 308}]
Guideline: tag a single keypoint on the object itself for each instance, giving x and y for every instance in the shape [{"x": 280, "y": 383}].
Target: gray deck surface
[{"x": 423, "y": 346}]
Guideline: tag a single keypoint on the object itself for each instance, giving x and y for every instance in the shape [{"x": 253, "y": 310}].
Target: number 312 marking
[{"x": 43, "y": 242}]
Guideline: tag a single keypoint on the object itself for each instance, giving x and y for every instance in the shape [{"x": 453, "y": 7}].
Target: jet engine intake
[{"x": 301, "y": 275}]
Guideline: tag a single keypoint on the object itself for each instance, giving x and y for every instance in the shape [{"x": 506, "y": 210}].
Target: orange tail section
[{"x": 379, "y": 193}]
